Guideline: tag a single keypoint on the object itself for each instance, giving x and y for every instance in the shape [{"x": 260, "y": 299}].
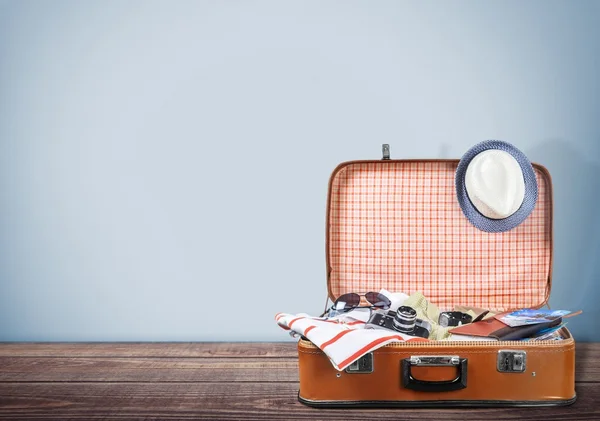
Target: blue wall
[{"x": 164, "y": 165}]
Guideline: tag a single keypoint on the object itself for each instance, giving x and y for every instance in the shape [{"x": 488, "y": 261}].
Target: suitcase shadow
[{"x": 576, "y": 268}]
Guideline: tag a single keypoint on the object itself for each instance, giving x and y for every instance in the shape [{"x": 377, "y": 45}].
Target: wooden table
[{"x": 210, "y": 381}]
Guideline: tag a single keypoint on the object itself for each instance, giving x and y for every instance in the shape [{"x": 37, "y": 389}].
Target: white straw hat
[{"x": 495, "y": 186}]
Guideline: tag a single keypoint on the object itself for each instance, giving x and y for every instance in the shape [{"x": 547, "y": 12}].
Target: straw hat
[{"x": 496, "y": 186}]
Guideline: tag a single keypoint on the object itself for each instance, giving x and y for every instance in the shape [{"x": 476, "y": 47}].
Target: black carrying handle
[{"x": 409, "y": 382}]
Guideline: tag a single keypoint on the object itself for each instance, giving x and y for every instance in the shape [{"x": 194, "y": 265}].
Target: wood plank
[
  {"x": 244, "y": 401},
  {"x": 150, "y": 349},
  {"x": 585, "y": 350},
  {"x": 233, "y": 362},
  {"x": 140, "y": 369},
  {"x": 86, "y": 369},
  {"x": 587, "y": 362}
]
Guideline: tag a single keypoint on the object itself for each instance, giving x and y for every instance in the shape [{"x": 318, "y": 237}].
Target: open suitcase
[{"x": 396, "y": 224}]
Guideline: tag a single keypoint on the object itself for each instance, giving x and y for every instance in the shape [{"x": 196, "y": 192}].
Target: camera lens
[{"x": 405, "y": 319}]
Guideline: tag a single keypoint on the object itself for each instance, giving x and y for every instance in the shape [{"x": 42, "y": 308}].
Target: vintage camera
[{"x": 404, "y": 320}]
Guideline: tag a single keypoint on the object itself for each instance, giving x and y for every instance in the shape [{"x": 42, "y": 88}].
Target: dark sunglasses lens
[
  {"x": 378, "y": 300},
  {"x": 350, "y": 300}
]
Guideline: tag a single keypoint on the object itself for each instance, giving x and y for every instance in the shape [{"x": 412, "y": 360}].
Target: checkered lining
[{"x": 397, "y": 225}]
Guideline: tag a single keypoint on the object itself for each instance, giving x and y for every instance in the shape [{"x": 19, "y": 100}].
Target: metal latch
[
  {"x": 363, "y": 365},
  {"x": 435, "y": 360},
  {"x": 385, "y": 148},
  {"x": 510, "y": 361}
]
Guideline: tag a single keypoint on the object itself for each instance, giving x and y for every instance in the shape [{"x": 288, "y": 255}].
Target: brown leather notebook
[{"x": 494, "y": 328}]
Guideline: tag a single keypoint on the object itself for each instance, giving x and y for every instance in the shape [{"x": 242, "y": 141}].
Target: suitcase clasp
[
  {"x": 510, "y": 361},
  {"x": 385, "y": 149},
  {"x": 361, "y": 366}
]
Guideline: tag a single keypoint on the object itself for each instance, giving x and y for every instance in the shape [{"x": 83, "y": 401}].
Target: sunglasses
[{"x": 351, "y": 301}]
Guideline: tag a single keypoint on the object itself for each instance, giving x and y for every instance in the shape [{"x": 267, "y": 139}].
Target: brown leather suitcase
[{"x": 395, "y": 224}]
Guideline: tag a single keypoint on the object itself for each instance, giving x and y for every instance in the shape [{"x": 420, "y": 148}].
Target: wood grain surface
[{"x": 245, "y": 381}]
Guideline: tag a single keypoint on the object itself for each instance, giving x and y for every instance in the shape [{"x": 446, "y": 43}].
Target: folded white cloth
[
  {"x": 343, "y": 339},
  {"x": 397, "y": 298}
]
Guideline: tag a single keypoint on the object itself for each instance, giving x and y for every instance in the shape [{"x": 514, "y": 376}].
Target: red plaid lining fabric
[{"x": 397, "y": 225}]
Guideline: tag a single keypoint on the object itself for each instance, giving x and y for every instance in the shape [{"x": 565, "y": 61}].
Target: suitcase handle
[{"x": 409, "y": 382}]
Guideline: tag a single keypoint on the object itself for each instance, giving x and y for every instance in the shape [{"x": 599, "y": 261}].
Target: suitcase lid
[{"x": 396, "y": 224}]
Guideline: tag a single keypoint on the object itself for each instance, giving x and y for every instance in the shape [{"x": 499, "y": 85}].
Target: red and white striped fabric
[
  {"x": 343, "y": 343},
  {"x": 397, "y": 225}
]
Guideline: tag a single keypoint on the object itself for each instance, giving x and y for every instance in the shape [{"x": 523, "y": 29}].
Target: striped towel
[{"x": 343, "y": 340}]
